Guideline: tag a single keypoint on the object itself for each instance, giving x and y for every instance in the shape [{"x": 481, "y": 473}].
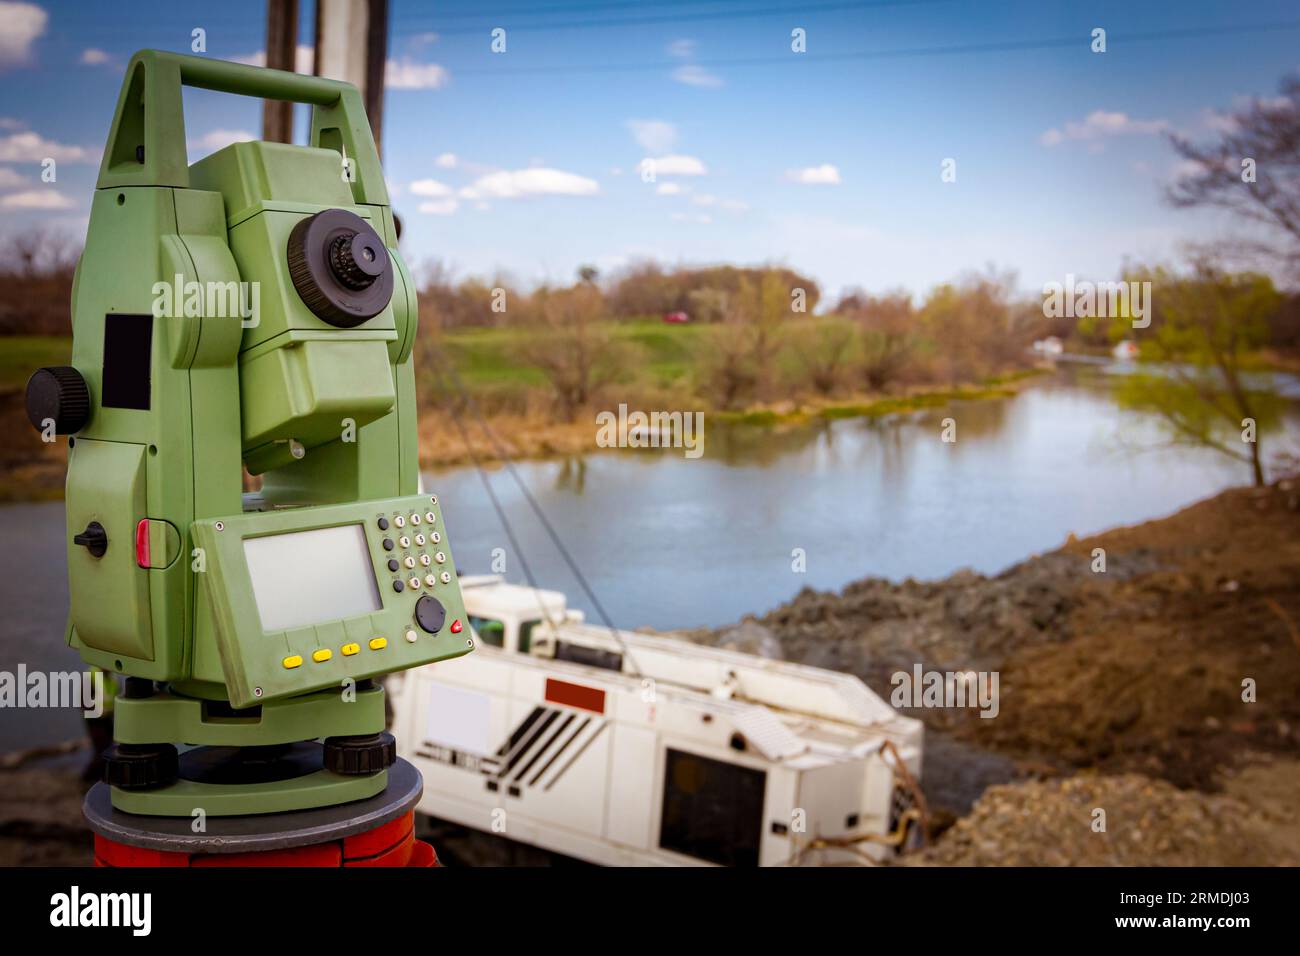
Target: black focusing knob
[
  {"x": 360, "y": 754},
  {"x": 340, "y": 268},
  {"x": 141, "y": 766},
  {"x": 358, "y": 260},
  {"x": 58, "y": 395}
]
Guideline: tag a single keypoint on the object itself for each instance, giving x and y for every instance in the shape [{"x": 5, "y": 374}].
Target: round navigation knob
[
  {"x": 430, "y": 614},
  {"x": 58, "y": 395}
]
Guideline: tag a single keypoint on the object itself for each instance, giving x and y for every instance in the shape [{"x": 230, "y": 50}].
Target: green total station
[{"x": 247, "y": 313}]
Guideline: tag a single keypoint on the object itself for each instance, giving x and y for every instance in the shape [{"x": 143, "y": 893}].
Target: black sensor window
[{"x": 128, "y": 348}]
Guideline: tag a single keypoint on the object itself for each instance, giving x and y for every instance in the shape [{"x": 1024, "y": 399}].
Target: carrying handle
[{"x": 146, "y": 145}]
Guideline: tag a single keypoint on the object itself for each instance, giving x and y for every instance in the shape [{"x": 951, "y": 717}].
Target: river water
[{"x": 668, "y": 541}]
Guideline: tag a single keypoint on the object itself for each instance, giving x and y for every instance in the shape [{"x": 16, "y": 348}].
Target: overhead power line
[
  {"x": 673, "y": 18},
  {"x": 468, "y": 403},
  {"x": 535, "y": 10},
  {"x": 1114, "y": 40}
]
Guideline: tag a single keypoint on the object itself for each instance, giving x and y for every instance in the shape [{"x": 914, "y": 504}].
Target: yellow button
[
  {"x": 321, "y": 656},
  {"x": 378, "y": 643},
  {"x": 350, "y": 649},
  {"x": 293, "y": 660}
]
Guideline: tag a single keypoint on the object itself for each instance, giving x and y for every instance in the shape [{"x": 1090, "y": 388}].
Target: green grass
[
  {"x": 759, "y": 416},
  {"x": 20, "y": 355},
  {"x": 491, "y": 356}
]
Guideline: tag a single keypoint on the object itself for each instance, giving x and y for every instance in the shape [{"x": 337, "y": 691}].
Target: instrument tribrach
[{"x": 248, "y": 310}]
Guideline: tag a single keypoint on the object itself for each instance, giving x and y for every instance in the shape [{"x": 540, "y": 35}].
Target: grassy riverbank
[{"x": 667, "y": 372}]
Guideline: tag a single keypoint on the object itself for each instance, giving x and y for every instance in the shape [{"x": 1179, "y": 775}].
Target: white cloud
[
  {"x": 24, "y": 25},
  {"x": 682, "y": 49},
  {"x": 654, "y": 136},
  {"x": 37, "y": 199},
  {"x": 534, "y": 181},
  {"x": 1187, "y": 169},
  {"x": 823, "y": 175},
  {"x": 693, "y": 75},
  {"x": 405, "y": 74},
  {"x": 304, "y": 58},
  {"x": 1219, "y": 122},
  {"x": 10, "y": 179},
  {"x": 730, "y": 205},
  {"x": 1099, "y": 124},
  {"x": 94, "y": 57},
  {"x": 431, "y": 188},
  {"x": 446, "y": 161},
  {"x": 669, "y": 189},
  {"x": 439, "y": 207},
  {"x": 675, "y": 165},
  {"x": 1228, "y": 122},
  {"x": 216, "y": 139},
  {"x": 29, "y": 147},
  {"x": 1191, "y": 168},
  {"x": 696, "y": 217}
]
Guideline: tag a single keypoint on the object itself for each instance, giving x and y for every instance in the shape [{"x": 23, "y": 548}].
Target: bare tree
[
  {"x": 887, "y": 330},
  {"x": 1206, "y": 328},
  {"x": 1251, "y": 170},
  {"x": 36, "y": 272},
  {"x": 823, "y": 347},
  {"x": 568, "y": 341}
]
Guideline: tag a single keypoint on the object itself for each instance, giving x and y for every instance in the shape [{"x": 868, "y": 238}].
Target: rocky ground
[
  {"x": 40, "y": 818},
  {"x": 1147, "y": 822},
  {"x": 1121, "y": 688}
]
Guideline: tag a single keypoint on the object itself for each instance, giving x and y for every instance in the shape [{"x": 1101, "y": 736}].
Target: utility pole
[
  {"x": 281, "y": 51},
  {"x": 352, "y": 45}
]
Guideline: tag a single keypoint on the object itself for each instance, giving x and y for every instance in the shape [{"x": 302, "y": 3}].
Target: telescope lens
[{"x": 357, "y": 260}]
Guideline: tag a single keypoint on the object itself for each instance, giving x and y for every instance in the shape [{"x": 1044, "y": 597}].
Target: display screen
[{"x": 311, "y": 577}]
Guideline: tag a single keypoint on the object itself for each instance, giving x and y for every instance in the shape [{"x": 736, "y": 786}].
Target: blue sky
[{"x": 528, "y": 161}]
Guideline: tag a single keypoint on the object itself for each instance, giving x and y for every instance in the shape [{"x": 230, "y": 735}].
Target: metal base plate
[{"x": 249, "y": 834}]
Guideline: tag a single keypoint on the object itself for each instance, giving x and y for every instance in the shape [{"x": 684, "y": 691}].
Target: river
[{"x": 668, "y": 541}]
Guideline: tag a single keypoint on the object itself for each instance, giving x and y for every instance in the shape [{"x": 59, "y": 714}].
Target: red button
[
  {"x": 142, "y": 543},
  {"x": 455, "y": 626}
]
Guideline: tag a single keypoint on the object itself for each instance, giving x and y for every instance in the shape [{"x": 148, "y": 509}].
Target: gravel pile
[{"x": 1148, "y": 823}]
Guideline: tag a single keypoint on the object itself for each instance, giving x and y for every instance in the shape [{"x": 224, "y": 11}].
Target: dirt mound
[
  {"x": 1140, "y": 667},
  {"x": 1160, "y": 669},
  {"x": 40, "y": 819},
  {"x": 1147, "y": 822}
]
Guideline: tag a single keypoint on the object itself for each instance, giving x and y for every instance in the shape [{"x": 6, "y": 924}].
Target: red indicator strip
[
  {"x": 575, "y": 695},
  {"x": 142, "y": 543}
]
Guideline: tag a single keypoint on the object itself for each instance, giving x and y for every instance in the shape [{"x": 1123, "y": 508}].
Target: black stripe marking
[
  {"x": 519, "y": 731},
  {"x": 521, "y": 752},
  {"x": 563, "y": 747},
  {"x": 543, "y": 748},
  {"x": 581, "y": 751}
]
